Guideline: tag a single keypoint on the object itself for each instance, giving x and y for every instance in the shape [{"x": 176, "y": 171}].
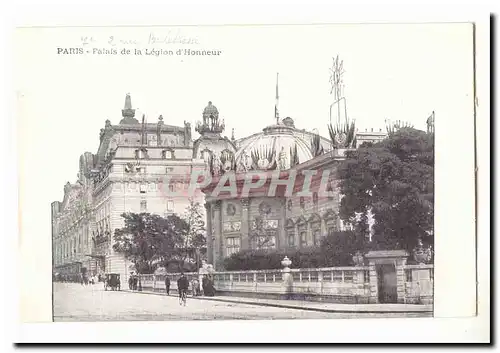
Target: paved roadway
[{"x": 74, "y": 302}]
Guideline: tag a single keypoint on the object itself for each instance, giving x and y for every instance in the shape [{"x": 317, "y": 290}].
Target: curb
[{"x": 295, "y": 307}]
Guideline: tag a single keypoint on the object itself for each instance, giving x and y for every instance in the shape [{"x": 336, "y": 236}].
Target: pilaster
[
  {"x": 309, "y": 237},
  {"x": 282, "y": 241},
  {"x": 210, "y": 234},
  {"x": 217, "y": 230},
  {"x": 245, "y": 224},
  {"x": 323, "y": 228}
]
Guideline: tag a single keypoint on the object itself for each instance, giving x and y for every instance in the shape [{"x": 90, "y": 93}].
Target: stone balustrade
[
  {"x": 342, "y": 284},
  {"x": 337, "y": 284},
  {"x": 333, "y": 284}
]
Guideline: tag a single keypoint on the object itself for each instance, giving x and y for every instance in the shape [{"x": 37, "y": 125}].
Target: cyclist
[{"x": 182, "y": 287}]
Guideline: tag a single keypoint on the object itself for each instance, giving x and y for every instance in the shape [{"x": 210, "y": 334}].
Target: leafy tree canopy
[
  {"x": 394, "y": 180},
  {"x": 196, "y": 232},
  {"x": 149, "y": 240}
]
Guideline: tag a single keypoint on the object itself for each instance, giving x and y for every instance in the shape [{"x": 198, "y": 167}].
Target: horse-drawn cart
[{"x": 112, "y": 281}]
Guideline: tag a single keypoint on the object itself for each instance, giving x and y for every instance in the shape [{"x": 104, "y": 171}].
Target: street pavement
[{"x": 74, "y": 302}]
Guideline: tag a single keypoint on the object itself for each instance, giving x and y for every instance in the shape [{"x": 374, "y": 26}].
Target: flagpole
[{"x": 276, "y": 112}]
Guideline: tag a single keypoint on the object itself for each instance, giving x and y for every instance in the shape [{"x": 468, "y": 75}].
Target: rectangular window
[
  {"x": 233, "y": 245},
  {"x": 144, "y": 206},
  {"x": 170, "y": 206},
  {"x": 291, "y": 239},
  {"x": 143, "y": 188},
  {"x": 316, "y": 237},
  {"x": 303, "y": 239},
  {"x": 171, "y": 188}
]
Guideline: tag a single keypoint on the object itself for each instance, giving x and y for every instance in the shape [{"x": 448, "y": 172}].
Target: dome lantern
[{"x": 211, "y": 123}]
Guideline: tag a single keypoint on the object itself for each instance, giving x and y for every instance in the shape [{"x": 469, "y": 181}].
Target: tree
[
  {"x": 149, "y": 240},
  {"x": 394, "y": 180},
  {"x": 338, "y": 248},
  {"x": 195, "y": 240}
]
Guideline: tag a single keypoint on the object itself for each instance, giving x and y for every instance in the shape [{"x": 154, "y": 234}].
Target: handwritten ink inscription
[
  {"x": 171, "y": 37},
  {"x": 152, "y": 45}
]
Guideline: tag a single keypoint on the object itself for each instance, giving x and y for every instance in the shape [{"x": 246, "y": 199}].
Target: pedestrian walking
[
  {"x": 196, "y": 287},
  {"x": 136, "y": 279},
  {"x": 167, "y": 285}
]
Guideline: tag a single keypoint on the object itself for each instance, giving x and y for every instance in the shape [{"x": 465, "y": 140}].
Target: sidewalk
[{"x": 315, "y": 306}]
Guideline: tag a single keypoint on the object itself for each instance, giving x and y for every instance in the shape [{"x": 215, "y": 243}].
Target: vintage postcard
[{"x": 250, "y": 172}]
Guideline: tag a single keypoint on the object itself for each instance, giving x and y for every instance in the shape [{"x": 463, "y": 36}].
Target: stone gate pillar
[{"x": 377, "y": 259}]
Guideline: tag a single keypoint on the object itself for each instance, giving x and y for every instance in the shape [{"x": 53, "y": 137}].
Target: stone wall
[
  {"x": 419, "y": 284},
  {"x": 334, "y": 284}
]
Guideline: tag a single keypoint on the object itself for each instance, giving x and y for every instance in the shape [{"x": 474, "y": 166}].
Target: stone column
[
  {"x": 297, "y": 237},
  {"x": 282, "y": 241},
  {"x": 210, "y": 235},
  {"x": 323, "y": 228},
  {"x": 245, "y": 224},
  {"x": 217, "y": 233},
  {"x": 309, "y": 237}
]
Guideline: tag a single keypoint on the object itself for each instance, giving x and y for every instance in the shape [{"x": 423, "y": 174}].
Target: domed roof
[
  {"x": 210, "y": 109},
  {"x": 277, "y": 143}
]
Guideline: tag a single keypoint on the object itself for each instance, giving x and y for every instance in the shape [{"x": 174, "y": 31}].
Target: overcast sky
[{"x": 391, "y": 71}]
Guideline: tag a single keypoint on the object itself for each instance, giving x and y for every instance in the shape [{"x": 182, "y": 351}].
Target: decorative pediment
[
  {"x": 301, "y": 220},
  {"x": 329, "y": 214},
  {"x": 315, "y": 218},
  {"x": 290, "y": 223}
]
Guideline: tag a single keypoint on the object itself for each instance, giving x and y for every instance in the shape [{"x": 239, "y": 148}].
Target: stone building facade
[
  {"x": 235, "y": 221},
  {"x": 138, "y": 167}
]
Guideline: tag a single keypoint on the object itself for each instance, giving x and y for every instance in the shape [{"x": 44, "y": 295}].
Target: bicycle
[{"x": 183, "y": 297}]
